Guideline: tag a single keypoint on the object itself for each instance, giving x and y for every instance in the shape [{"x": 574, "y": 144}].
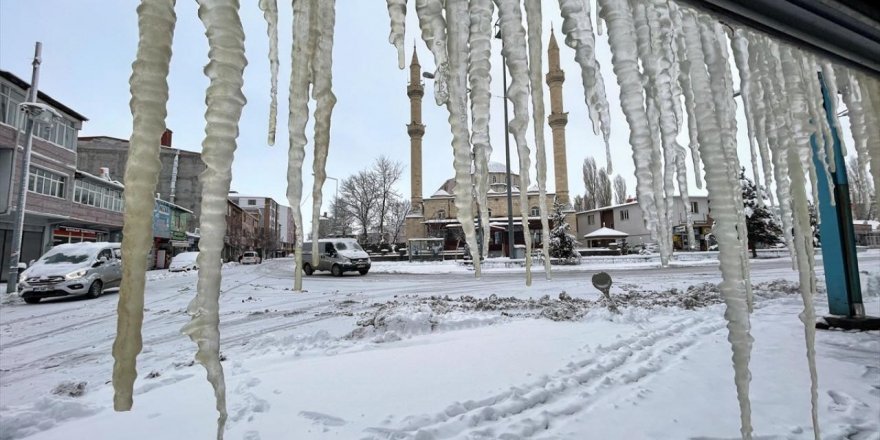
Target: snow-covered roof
[
  {"x": 873, "y": 223},
  {"x": 605, "y": 208},
  {"x": 497, "y": 167},
  {"x": 604, "y": 232},
  {"x": 441, "y": 193}
]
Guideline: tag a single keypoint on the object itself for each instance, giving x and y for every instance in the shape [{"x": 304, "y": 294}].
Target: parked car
[
  {"x": 338, "y": 255},
  {"x": 184, "y": 261},
  {"x": 72, "y": 269},
  {"x": 251, "y": 257}
]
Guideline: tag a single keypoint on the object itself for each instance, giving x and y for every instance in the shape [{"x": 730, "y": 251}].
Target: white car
[
  {"x": 251, "y": 257},
  {"x": 185, "y": 261}
]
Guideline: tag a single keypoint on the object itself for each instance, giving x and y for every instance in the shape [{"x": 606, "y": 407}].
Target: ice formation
[
  {"x": 322, "y": 78},
  {"x": 149, "y": 95},
  {"x": 479, "y": 79},
  {"x": 513, "y": 38},
  {"x": 225, "y": 102},
  {"x": 397, "y": 13},
  {"x": 270, "y": 13},
  {"x": 304, "y": 33},
  {"x": 578, "y": 29},
  {"x": 533, "y": 19},
  {"x": 681, "y": 174},
  {"x": 661, "y": 52}
]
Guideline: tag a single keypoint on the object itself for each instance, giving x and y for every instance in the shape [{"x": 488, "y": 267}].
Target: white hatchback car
[{"x": 184, "y": 261}]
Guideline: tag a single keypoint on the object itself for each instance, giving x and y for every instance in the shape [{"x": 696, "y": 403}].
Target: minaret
[
  {"x": 416, "y": 130},
  {"x": 557, "y": 120}
]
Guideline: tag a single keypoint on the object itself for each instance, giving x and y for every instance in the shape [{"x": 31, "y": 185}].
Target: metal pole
[
  {"x": 507, "y": 162},
  {"x": 18, "y": 227}
]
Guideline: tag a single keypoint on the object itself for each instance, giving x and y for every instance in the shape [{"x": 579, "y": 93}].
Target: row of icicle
[{"x": 662, "y": 55}]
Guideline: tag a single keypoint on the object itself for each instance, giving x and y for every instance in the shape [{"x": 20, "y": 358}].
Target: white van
[
  {"x": 338, "y": 255},
  {"x": 72, "y": 269}
]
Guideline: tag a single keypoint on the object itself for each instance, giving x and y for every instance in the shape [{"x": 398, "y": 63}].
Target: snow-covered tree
[
  {"x": 562, "y": 242},
  {"x": 762, "y": 224},
  {"x": 619, "y": 190}
]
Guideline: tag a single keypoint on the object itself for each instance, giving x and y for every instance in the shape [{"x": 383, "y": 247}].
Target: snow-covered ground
[{"x": 425, "y": 351}]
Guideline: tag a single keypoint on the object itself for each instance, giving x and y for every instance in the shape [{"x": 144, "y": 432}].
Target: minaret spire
[
  {"x": 416, "y": 130},
  {"x": 557, "y": 120}
]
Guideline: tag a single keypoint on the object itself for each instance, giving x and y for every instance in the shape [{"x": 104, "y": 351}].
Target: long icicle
[
  {"x": 685, "y": 85},
  {"x": 397, "y": 13},
  {"x": 457, "y": 54},
  {"x": 433, "y": 27},
  {"x": 760, "y": 115},
  {"x": 578, "y": 29},
  {"x": 624, "y": 58},
  {"x": 513, "y": 50},
  {"x": 225, "y": 102},
  {"x": 270, "y": 13},
  {"x": 681, "y": 173},
  {"x": 479, "y": 79},
  {"x": 533, "y": 18},
  {"x": 300, "y": 77},
  {"x": 741, "y": 57},
  {"x": 726, "y": 214},
  {"x": 149, "y": 96},
  {"x": 829, "y": 77},
  {"x": 322, "y": 75},
  {"x": 870, "y": 102}
]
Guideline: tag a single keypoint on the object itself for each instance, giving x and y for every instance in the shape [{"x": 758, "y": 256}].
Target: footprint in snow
[{"x": 322, "y": 419}]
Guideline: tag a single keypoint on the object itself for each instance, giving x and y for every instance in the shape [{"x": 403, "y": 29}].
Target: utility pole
[
  {"x": 506, "y": 150},
  {"x": 18, "y": 226}
]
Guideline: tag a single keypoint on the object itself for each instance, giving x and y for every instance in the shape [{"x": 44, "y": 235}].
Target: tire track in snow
[{"x": 526, "y": 410}]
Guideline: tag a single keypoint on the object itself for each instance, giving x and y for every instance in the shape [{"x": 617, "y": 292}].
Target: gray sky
[{"x": 89, "y": 45}]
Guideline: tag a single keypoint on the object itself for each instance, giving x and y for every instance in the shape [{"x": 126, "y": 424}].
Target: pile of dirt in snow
[
  {"x": 699, "y": 295},
  {"x": 70, "y": 389}
]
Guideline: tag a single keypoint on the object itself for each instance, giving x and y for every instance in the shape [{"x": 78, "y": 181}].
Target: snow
[
  {"x": 270, "y": 14},
  {"x": 300, "y": 366}
]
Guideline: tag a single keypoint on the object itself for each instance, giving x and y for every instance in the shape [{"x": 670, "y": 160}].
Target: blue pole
[{"x": 836, "y": 229}]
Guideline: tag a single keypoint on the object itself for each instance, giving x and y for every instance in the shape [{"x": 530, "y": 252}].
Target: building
[
  {"x": 171, "y": 236},
  {"x": 241, "y": 232},
  {"x": 629, "y": 218},
  {"x": 178, "y": 179},
  {"x": 435, "y": 216},
  {"x": 867, "y": 232},
  {"x": 268, "y": 239},
  {"x": 63, "y": 204},
  {"x": 287, "y": 229}
]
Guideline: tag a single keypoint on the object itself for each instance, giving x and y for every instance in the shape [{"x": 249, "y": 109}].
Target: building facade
[
  {"x": 267, "y": 237},
  {"x": 63, "y": 204},
  {"x": 630, "y": 219}
]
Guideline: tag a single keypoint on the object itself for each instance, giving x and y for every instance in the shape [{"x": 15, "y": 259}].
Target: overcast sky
[{"x": 89, "y": 45}]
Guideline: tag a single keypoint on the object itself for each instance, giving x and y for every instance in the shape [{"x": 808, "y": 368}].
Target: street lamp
[
  {"x": 506, "y": 151},
  {"x": 34, "y": 113}
]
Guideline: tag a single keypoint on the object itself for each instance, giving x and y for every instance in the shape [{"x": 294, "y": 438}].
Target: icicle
[
  {"x": 741, "y": 57},
  {"x": 726, "y": 213},
  {"x": 303, "y": 34},
  {"x": 759, "y": 114},
  {"x": 684, "y": 75},
  {"x": 803, "y": 243},
  {"x": 270, "y": 13},
  {"x": 514, "y": 53},
  {"x": 624, "y": 59},
  {"x": 533, "y": 18},
  {"x": 225, "y": 101},
  {"x": 479, "y": 77},
  {"x": 433, "y": 27},
  {"x": 397, "y": 13},
  {"x": 801, "y": 128},
  {"x": 829, "y": 78},
  {"x": 821, "y": 129},
  {"x": 322, "y": 74},
  {"x": 681, "y": 172},
  {"x": 457, "y": 46},
  {"x": 149, "y": 95},
  {"x": 870, "y": 101},
  {"x": 578, "y": 29}
]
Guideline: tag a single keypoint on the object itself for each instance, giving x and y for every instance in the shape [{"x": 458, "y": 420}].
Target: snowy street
[{"x": 376, "y": 357}]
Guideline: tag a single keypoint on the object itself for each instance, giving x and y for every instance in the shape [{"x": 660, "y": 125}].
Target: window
[
  {"x": 61, "y": 132},
  {"x": 695, "y": 207},
  {"x": 93, "y": 194},
  {"x": 46, "y": 182},
  {"x": 624, "y": 214},
  {"x": 534, "y": 211},
  {"x": 591, "y": 219},
  {"x": 252, "y": 202},
  {"x": 105, "y": 254},
  {"x": 10, "y": 98},
  {"x": 489, "y": 211},
  {"x": 441, "y": 214}
]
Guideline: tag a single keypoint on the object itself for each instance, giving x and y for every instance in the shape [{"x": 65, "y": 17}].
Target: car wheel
[
  {"x": 336, "y": 270},
  {"x": 363, "y": 271},
  {"x": 307, "y": 269},
  {"x": 32, "y": 300},
  {"x": 95, "y": 290}
]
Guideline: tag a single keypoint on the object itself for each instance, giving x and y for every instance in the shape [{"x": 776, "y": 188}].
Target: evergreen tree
[
  {"x": 562, "y": 243},
  {"x": 761, "y": 223}
]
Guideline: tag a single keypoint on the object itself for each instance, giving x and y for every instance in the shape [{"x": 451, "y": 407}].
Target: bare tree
[
  {"x": 397, "y": 212},
  {"x": 360, "y": 195},
  {"x": 342, "y": 222},
  {"x": 861, "y": 191},
  {"x": 619, "y": 190},
  {"x": 578, "y": 203},
  {"x": 387, "y": 173},
  {"x": 591, "y": 174}
]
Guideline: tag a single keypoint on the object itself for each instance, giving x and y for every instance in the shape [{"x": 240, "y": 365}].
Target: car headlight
[
  {"x": 23, "y": 276},
  {"x": 76, "y": 274}
]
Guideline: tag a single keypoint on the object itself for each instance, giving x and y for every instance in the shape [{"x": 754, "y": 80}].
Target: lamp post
[
  {"x": 335, "y": 202},
  {"x": 34, "y": 113},
  {"x": 507, "y": 151}
]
